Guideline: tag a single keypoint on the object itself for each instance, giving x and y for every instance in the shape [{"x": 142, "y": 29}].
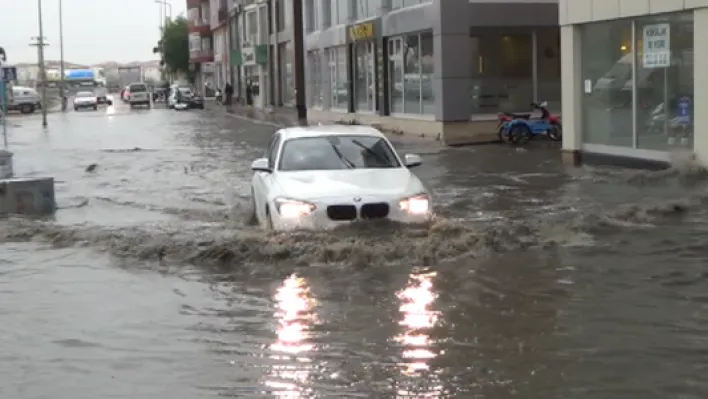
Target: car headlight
[
  {"x": 290, "y": 208},
  {"x": 416, "y": 205}
]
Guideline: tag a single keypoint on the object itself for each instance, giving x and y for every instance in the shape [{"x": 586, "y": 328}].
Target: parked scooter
[
  {"x": 519, "y": 131},
  {"x": 504, "y": 118}
]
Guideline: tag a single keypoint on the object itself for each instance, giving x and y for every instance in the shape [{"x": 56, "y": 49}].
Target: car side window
[{"x": 273, "y": 151}]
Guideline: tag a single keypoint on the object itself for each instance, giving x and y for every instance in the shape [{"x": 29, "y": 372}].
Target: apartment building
[{"x": 201, "y": 42}]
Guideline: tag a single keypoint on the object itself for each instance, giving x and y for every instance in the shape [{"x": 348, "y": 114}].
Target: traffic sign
[{"x": 9, "y": 74}]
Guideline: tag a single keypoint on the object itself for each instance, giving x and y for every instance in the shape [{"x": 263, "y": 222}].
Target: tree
[{"x": 174, "y": 47}]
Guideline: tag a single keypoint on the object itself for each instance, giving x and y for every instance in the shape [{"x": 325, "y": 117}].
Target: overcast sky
[{"x": 94, "y": 30}]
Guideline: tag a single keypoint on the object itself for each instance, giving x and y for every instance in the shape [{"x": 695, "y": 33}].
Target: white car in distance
[
  {"x": 320, "y": 177},
  {"x": 85, "y": 99},
  {"x": 138, "y": 95}
]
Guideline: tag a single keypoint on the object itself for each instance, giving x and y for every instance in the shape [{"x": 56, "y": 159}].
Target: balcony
[
  {"x": 199, "y": 26},
  {"x": 198, "y": 56}
]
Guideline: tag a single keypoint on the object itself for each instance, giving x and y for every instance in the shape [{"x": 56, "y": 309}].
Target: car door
[{"x": 263, "y": 181}]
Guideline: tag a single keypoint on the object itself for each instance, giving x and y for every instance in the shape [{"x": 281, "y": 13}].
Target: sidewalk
[
  {"x": 283, "y": 116},
  {"x": 287, "y": 116}
]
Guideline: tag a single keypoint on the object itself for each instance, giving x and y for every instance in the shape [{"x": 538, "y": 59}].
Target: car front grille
[
  {"x": 377, "y": 210},
  {"x": 341, "y": 212}
]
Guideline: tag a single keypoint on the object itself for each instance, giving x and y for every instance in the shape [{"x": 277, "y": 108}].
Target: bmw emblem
[{"x": 357, "y": 199}]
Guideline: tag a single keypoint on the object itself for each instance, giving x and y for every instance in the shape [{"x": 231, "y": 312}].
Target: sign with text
[
  {"x": 363, "y": 31},
  {"x": 657, "y": 46},
  {"x": 9, "y": 74}
]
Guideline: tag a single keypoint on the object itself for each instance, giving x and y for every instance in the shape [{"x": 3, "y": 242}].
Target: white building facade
[{"x": 633, "y": 79}]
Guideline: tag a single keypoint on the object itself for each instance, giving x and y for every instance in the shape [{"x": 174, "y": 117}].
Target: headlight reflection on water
[
  {"x": 295, "y": 316},
  {"x": 416, "y": 301}
]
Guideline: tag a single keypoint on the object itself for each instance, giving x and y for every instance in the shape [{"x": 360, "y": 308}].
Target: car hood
[
  {"x": 349, "y": 182},
  {"x": 84, "y": 100}
]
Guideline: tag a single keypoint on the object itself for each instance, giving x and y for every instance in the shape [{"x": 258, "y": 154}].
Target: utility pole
[
  {"x": 42, "y": 69},
  {"x": 61, "y": 57},
  {"x": 299, "y": 61}
]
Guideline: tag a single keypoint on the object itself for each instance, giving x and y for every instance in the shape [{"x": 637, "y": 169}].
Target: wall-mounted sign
[
  {"x": 208, "y": 67},
  {"x": 363, "y": 31},
  {"x": 657, "y": 46},
  {"x": 248, "y": 55}
]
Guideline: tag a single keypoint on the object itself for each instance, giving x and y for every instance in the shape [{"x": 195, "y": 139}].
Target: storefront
[
  {"x": 364, "y": 42},
  {"x": 629, "y": 84}
]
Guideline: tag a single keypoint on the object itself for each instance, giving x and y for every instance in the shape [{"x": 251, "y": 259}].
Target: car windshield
[
  {"x": 337, "y": 152},
  {"x": 139, "y": 88},
  {"x": 185, "y": 90},
  {"x": 84, "y": 94}
]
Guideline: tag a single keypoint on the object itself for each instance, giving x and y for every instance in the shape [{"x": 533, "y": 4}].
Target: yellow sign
[{"x": 363, "y": 31}]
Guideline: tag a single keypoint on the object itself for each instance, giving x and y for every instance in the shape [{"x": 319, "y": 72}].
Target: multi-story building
[
  {"x": 424, "y": 66},
  {"x": 201, "y": 48}
]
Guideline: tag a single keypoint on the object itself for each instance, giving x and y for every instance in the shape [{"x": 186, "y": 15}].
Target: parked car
[
  {"x": 24, "y": 99},
  {"x": 138, "y": 95},
  {"x": 324, "y": 176},
  {"x": 188, "y": 97},
  {"x": 85, "y": 100}
]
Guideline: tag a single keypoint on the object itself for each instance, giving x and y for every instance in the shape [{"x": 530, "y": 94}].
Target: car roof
[{"x": 328, "y": 130}]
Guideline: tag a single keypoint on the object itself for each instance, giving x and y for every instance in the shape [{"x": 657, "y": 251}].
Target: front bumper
[{"x": 320, "y": 219}]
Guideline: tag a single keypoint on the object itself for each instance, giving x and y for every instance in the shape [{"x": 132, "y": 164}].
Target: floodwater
[{"x": 535, "y": 280}]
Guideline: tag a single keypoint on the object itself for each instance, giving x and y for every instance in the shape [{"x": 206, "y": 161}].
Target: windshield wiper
[
  {"x": 384, "y": 160},
  {"x": 345, "y": 160}
]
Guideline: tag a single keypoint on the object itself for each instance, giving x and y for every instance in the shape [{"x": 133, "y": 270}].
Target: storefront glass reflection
[
  {"x": 638, "y": 94},
  {"x": 338, "y": 87},
  {"x": 607, "y": 83},
  {"x": 664, "y": 84},
  {"x": 364, "y": 76},
  {"x": 289, "y": 353},
  {"x": 418, "y": 318},
  {"x": 287, "y": 87},
  {"x": 411, "y": 68}
]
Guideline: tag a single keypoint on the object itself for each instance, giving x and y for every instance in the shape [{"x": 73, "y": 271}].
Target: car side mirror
[
  {"x": 260, "y": 165},
  {"x": 412, "y": 160}
]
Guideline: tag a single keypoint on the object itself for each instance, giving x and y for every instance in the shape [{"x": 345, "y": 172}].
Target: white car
[
  {"x": 85, "y": 100},
  {"x": 138, "y": 95},
  {"x": 321, "y": 177}
]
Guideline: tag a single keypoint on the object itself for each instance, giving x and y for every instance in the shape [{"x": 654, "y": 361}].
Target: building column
[
  {"x": 700, "y": 84},
  {"x": 453, "y": 68},
  {"x": 571, "y": 93}
]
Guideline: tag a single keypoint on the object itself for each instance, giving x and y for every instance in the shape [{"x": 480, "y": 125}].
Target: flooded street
[{"x": 535, "y": 280}]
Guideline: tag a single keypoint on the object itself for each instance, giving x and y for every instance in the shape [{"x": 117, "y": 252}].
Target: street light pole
[
  {"x": 42, "y": 69},
  {"x": 61, "y": 55}
]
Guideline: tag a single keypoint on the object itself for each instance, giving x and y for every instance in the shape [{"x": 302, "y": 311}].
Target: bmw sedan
[
  {"x": 85, "y": 100},
  {"x": 324, "y": 176}
]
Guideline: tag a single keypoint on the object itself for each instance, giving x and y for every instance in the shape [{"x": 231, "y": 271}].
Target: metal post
[
  {"x": 3, "y": 95},
  {"x": 42, "y": 69},
  {"x": 61, "y": 57},
  {"x": 299, "y": 61}
]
